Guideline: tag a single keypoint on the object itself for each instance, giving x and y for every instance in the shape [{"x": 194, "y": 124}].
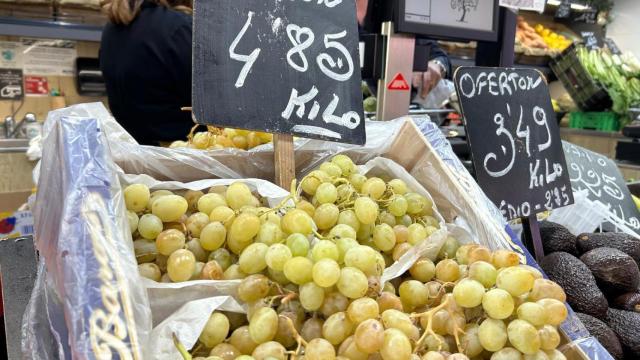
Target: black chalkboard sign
[
  {"x": 612, "y": 46},
  {"x": 604, "y": 182},
  {"x": 589, "y": 16},
  {"x": 591, "y": 39},
  {"x": 564, "y": 10},
  {"x": 278, "y": 66},
  {"x": 514, "y": 138}
]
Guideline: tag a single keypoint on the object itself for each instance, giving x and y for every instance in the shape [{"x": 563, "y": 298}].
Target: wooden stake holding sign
[
  {"x": 515, "y": 143},
  {"x": 285, "y": 67}
]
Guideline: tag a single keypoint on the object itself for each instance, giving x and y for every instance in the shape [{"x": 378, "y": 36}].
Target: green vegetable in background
[{"x": 370, "y": 104}]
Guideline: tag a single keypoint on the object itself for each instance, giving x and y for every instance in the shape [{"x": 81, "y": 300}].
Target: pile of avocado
[{"x": 600, "y": 275}]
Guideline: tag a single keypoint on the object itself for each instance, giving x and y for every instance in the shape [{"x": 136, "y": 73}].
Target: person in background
[
  {"x": 439, "y": 66},
  {"x": 145, "y": 58}
]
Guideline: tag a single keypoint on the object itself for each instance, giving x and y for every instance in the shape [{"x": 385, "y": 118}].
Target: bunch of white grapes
[
  {"x": 310, "y": 274},
  {"x": 215, "y": 139}
]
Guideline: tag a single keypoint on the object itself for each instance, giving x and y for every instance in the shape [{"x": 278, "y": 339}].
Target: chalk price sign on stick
[
  {"x": 514, "y": 139},
  {"x": 279, "y": 66}
]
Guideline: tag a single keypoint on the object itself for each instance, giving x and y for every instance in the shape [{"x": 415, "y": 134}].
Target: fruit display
[
  {"x": 527, "y": 35},
  {"x": 309, "y": 272},
  {"x": 600, "y": 275},
  {"x": 553, "y": 40},
  {"x": 216, "y": 139}
]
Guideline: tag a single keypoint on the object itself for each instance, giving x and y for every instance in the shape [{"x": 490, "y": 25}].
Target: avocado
[
  {"x": 603, "y": 333},
  {"x": 556, "y": 237},
  {"x": 621, "y": 241},
  {"x": 629, "y": 301},
  {"x": 577, "y": 281},
  {"x": 626, "y": 324},
  {"x": 613, "y": 269}
]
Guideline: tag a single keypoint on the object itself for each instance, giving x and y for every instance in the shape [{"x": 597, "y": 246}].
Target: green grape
[
  {"x": 448, "y": 250},
  {"x": 555, "y": 355},
  {"x": 311, "y": 182},
  {"x": 549, "y": 337},
  {"x": 149, "y": 226},
  {"x": 346, "y": 165},
  {"x": 342, "y": 231},
  {"x": 447, "y": 270},
  {"x": 271, "y": 350},
  {"x": 414, "y": 293},
  {"x": 352, "y": 283},
  {"x": 363, "y": 309},
  {"x": 278, "y": 276},
  {"x": 156, "y": 195},
  {"x": 546, "y": 289},
  {"x": 263, "y": 325},
  {"x": 325, "y": 249},
  {"x": 388, "y": 300},
  {"x": 299, "y": 270},
  {"x": 399, "y": 250},
  {"x": 345, "y": 191},
  {"x": 417, "y": 233},
  {"x": 253, "y": 287},
  {"x": 498, "y": 304},
  {"x": 337, "y": 327},
  {"x": 150, "y": 271},
  {"x": 223, "y": 215},
  {"x": 326, "y": 216},
  {"x": 169, "y": 241},
  {"x": 331, "y": 169},
  {"x": 132, "y": 220},
  {"x": 363, "y": 258},
  {"x": 515, "y": 280},
  {"x": 223, "y": 257},
  {"x": 471, "y": 341},
  {"x": 326, "y": 193},
  {"x": 402, "y": 234},
  {"x": 504, "y": 258},
  {"x": 298, "y": 244},
  {"x": 145, "y": 250},
  {"x": 433, "y": 354},
  {"x": 484, "y": 273},
  {"x": 507, "y": 353},
  {"x": 416, "y": 203},
  {"x": 319, "y": 349},
  {"x": 533, "y": 313},
  {"x": 180, "y": 265},
  {"x": 297, "y": 221},
  {"x": 349, "y": 218},
  {"x": 398, "y": 186},
  {"x": 395, "y": 346},
  {"x": 492, "y": 334},
  {"x": 196, "y": 222},
  {"x": 350, "y": 351},
  {"x": 398, "y": 205},
  {"x": 224, "y": 351},
  {"x": 556, "y": 311},
  {"x": 233, "y": 272},
  {"x": 344, "y": 244},
  {"x": 357, "y": 180},
  {"x": 366, "y": 210},
  {"x": 277, "y": 255},
  {"x": 384, "y": 237},
  {"x": 384, "y": 217},
  {"x": 374, "y": 188},
  {"x": 192, "y": 197},
  {"x": 326, "y": 272},
  {"x": 212, "y": 271},
  {"x": 311, "y": 296},
  {"x": 215, "y": 330},
  {"x": 305, "y": 206},
  {"x": 365, "y": 233},
  {"x": 334, "y": 302},
  {"x": 479, "y": 253},
  {"x": 136, "y": 197},
  {"x": 523, "y": 336},
  {"x": 241, "y": 339},
  {"x": 244, "y": 227},
  {"x": 468, "y": 293},
  {"x": 212, "y": 236},
  {"x": 208, "y": 202},
  {"x": 312, "y": 329},
  {"x": 423, "y": 270},
  {"x": 238, "y": 195},
  {"x": 252, "y": 259},
  {"x": 169, "y": 207},
  {"x": 197, "y": 271},
  {"x": 194, "y": 246},
  {"x": 369, "y": 336}
]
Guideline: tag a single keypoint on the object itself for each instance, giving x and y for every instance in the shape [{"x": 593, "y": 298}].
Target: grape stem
[
  {"x": 429, "y": 329},
  {"x": 183, "y": 351},
  {"x": 299, "y": 340}
]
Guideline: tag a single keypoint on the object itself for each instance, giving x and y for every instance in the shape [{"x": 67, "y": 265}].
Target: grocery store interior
[{"x": 318, "y": 180}]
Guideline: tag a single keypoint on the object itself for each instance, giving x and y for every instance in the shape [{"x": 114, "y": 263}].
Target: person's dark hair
[{"x": 123, "y": 12}]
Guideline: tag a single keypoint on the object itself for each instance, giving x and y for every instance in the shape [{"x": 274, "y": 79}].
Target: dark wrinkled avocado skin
[
  {"x": 556, "y": 237},
  {"x": 626, "y": 325},
  {"x": 603, "y": 333},
  {"x": 621, "y": 241},
  {"x": 577, "y": 281},
  {"x": 613, "y": 269},
  {"x": 629, "y": 301}
]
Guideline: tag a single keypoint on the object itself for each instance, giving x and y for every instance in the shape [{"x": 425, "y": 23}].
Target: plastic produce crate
[
  {"x": 586, "y": 92},
  {"x": 601, "y": 121}
]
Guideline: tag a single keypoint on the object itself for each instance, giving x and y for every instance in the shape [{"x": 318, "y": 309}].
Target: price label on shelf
[
  {"x": 279, "y": 66},
  {"x": 514, "y": 138}
]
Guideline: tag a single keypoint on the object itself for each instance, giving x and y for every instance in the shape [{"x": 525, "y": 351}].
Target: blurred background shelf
[{"x": 49, "y": 29}]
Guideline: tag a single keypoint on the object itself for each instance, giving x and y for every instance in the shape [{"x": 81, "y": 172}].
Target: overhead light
[{"x": 573, "y": 6}]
